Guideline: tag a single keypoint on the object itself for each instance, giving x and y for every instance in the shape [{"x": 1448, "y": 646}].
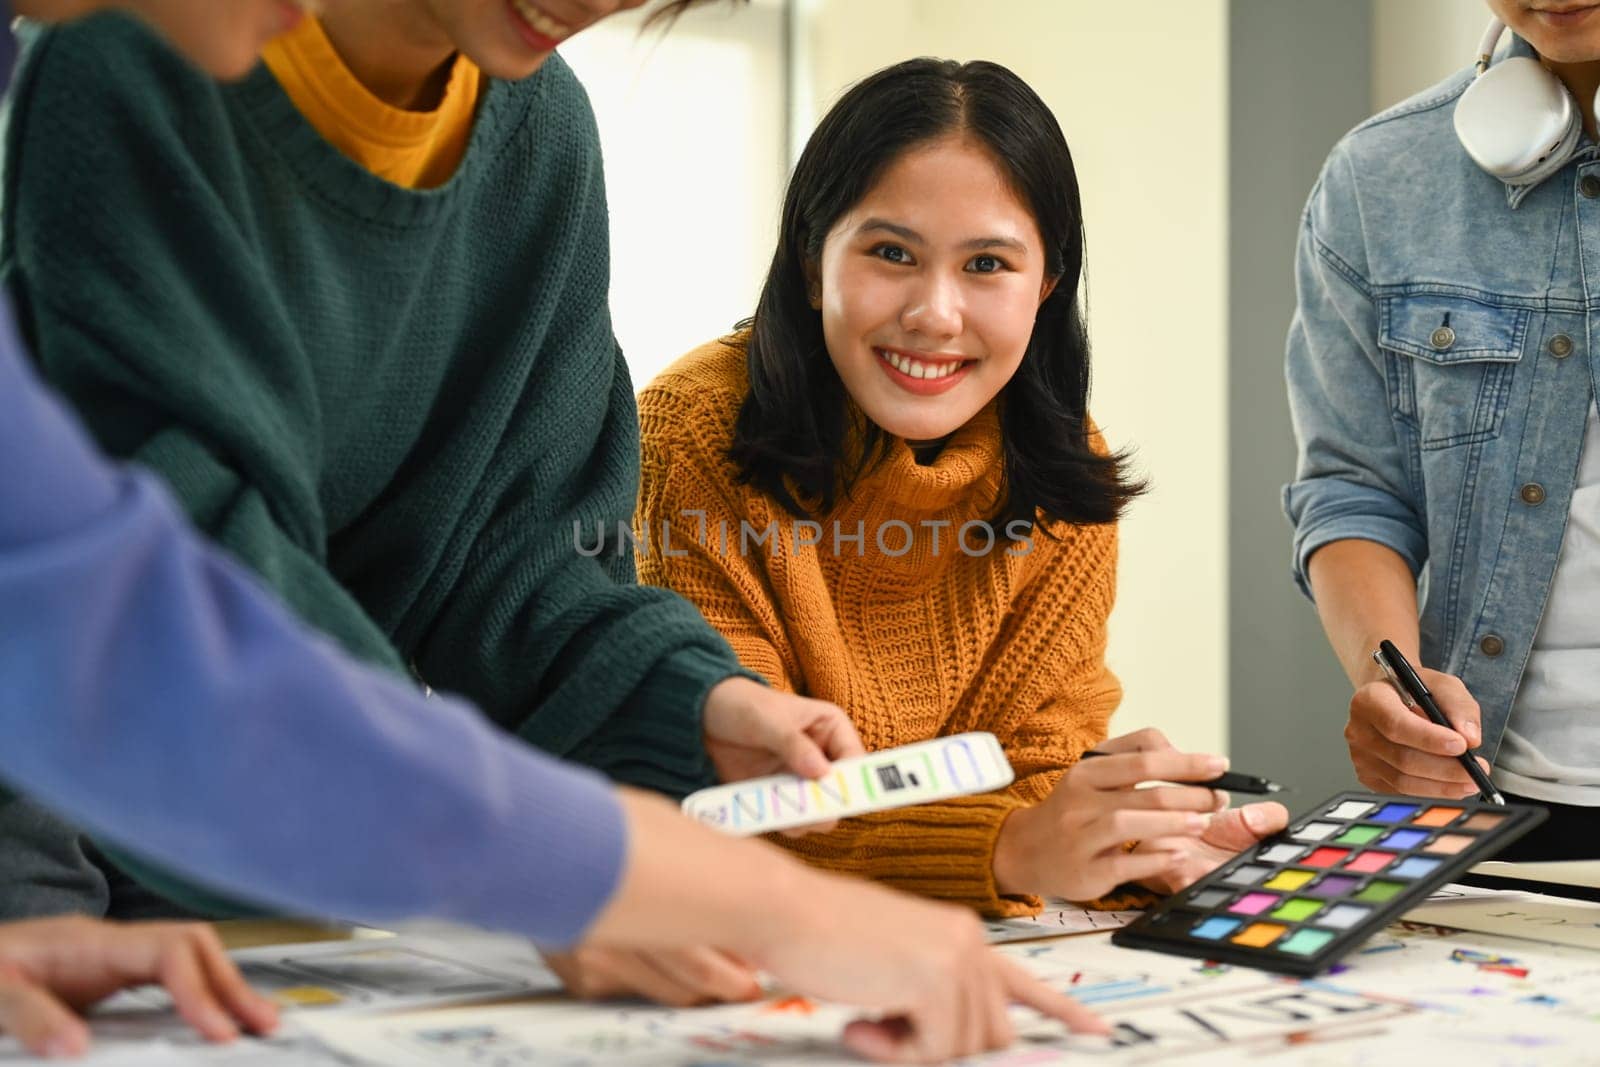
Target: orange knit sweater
[{"x": 913, "y": 645}]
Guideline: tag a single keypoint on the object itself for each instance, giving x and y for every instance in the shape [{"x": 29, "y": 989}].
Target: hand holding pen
[{"x": 1397, "y": 748}]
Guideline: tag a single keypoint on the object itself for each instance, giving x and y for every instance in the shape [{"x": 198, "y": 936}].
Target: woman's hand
[
  {"x": 1225, "y": 836},
  {"x": 752, "y": 730},
  {"x": 52, "y": 969},
  {"x": 679, "y": 977},
  {"x": 1074, "y": 843}
]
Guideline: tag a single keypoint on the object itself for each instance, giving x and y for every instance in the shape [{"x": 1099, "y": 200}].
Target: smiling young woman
[{"x": 887, "y": 492}]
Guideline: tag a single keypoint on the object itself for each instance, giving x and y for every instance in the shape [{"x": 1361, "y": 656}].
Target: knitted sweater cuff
[{"x": 657, "y": 739}]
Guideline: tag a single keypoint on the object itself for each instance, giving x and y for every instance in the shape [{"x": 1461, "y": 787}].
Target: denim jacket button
[
  {"x": 1443, "y": 337},
  {"x": 1561, "y": 346},
  {"x": 1492, "y": 645},
  {"x": 1589, "y": 186},
  {"x": 1533, "y": 493}
]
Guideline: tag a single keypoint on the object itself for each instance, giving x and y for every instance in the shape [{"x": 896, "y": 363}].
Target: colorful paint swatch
[
  {"x": 1438, "y": 816},
  {"x": 1325, "y": 857},
  {"x": 1404, "y": 839},
  {"x": 1394, "y": 813},
  {"x": 1316, "y": 831},
  {"x": 1215, "y": 928},
  {"x": 1350, "y": 809},
  {"x": 1343, "y": 916},
  {"x": 1378, "y": 892},
  {"x": 1288, "y": 880},
  {"x": 1249, "y": 874},
  {"x": 1414, "y": 867},
  {"x": 1297, "y": 902},
  {"x": 1333, "y": 886},
  {"x": 1370, "y": 862},
  {"x": 1450, "y": 844},
  {"x": 1254, "y": 903},
  {"x": 1280, "y": 853},
  {"x": 1358, "y": 835},
  {"x": 1306, "y": 942},
  {"x": 1209, "y": 898},
  {"x": 1259, "y": 935},
  {"x": 1297, "y": 910}
]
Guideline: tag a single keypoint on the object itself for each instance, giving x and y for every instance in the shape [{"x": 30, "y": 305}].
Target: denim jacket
[{"x": 1439, "y": 368}]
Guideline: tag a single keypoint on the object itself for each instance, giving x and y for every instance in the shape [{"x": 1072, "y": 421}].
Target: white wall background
[
  {"x": 693, "y": 127},
  {"x": 1416, "y": 43}
]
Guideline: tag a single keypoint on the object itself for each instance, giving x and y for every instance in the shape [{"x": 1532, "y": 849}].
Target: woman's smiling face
[{"x": 928, "y": 289}]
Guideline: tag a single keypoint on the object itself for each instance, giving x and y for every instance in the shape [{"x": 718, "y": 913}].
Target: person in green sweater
[{"x": 397, "y": 404}]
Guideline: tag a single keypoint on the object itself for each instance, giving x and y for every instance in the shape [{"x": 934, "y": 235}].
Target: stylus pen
[
  {"x": 1415, "y": 695},
  {"x": 1233, "y": 783}
]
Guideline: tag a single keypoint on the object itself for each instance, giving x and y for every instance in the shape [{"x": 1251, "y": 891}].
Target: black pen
[
  {"x": 1414, "y": 694},
  {"x": 1233, "y": 783}
]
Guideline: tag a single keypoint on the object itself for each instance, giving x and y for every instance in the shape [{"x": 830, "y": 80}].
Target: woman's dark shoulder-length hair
[{"x": 791, "y": 436}]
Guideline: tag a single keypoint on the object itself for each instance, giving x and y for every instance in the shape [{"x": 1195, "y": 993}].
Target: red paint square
[{"x": 1325, "y": 857}]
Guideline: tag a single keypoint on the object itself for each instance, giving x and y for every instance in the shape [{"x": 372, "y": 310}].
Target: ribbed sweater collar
[
  {"x": 334, "y": 177},
  {"x": 963, "y": 480}
]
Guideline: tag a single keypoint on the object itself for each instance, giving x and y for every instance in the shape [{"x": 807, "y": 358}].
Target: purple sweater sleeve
[{"x": 152, "y": 692}]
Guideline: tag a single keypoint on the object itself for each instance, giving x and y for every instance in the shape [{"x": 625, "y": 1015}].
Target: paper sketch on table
[
  {"x": 325, "y": 977},
  {"x": 391, "y": 974},
  {"x": 1488, "y": 1000},
  {"x": 1058, "y": 917},
  {"x": 175, "y": 1046},
  {"x": 1535, "y": 916}
]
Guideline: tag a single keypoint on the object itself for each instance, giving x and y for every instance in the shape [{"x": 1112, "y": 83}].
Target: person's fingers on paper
[
  {"x": 256, "y": 1012},
  {"x": 595, "y": 973},
  {"x": 885, "y": 1040},
  {"x": 32, "y": 1015},
  {"x": 1148, "y": 739},
  {"x": 1458, "y": 705},
  {"x": 179, "y": 970},
  {"x": 997, "y": 1010},
  {"x": 713, "y": 974},
  {"x": 1023, "y": 988},
  {"x": 974, "y": 1036}
]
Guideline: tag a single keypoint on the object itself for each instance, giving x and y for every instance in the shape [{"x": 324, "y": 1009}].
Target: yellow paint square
[{"x": 1290, "y": 880}]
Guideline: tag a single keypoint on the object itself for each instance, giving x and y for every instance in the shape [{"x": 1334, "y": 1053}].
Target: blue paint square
[
  {"x": 1215, "y": 928},
  {"x": 1393, "y": 813},
  {"x": 1415, "y": 867},
  {"x": 1404, "y": 839}
]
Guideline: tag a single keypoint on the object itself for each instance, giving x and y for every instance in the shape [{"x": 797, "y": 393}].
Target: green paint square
[
  {"x": 1378, "y": 892},
  {"x": 1358, "y": 835},
  {"x": 1305, "y": 942},
  {"x": 1297, "y": 909}
]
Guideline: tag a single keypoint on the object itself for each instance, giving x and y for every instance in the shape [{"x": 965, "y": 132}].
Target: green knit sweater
[{"x": 399, "y": 407}]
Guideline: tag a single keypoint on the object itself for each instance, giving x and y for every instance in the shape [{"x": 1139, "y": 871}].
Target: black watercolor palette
[{"x": 1296, "y": 902}]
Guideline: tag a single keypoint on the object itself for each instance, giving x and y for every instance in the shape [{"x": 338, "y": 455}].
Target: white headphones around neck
[{"x": 1517, "y": 120}]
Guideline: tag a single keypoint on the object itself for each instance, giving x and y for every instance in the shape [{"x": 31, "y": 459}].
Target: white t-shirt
[{"x": 1551, "y": 749}]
